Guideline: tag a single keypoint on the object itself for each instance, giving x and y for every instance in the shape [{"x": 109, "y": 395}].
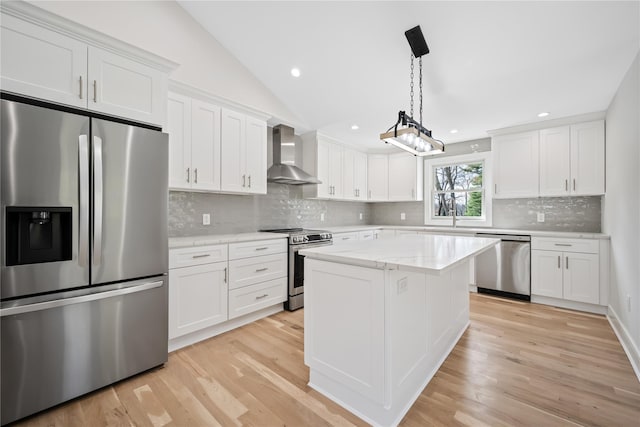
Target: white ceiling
[{"x": 492, "y": 64}]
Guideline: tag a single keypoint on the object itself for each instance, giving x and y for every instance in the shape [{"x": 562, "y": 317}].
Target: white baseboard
[
  {"x": 212, "y": 331},
  {"x": 571, "y": 305},
  {"x": 473, "y": 288},
  {"x": 630, "y": 347}
]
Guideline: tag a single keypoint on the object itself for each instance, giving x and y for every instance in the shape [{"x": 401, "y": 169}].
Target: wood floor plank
[{"x": 517, "y": 364}]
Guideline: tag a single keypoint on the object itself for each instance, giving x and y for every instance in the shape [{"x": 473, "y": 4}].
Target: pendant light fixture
[{"x": 407, "y": 133}]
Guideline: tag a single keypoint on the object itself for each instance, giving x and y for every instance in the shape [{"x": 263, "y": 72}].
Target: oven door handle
[{"x": 296, "y": 248}]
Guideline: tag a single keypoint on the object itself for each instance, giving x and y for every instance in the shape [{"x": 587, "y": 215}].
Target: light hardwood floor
[{"x": 517, "y": 364}]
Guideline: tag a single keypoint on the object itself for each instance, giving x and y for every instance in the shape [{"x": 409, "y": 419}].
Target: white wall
[
  {"x": 621, "y": 211},
  {"x": 164, "y": 28}
]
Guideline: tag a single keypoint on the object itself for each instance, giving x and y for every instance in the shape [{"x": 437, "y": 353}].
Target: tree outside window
[{"x": 458, "y": 187}]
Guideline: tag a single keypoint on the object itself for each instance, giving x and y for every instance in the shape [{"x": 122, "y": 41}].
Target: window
[{"x": 457, "y": 185}]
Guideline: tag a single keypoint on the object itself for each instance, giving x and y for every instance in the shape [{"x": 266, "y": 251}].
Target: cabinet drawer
[
  {"x": 344, "y": 237},
  {"x": 249, "y": 271},
  {"x": 251, "y": 249},
  {"x": 251, "y": 298},
  {"x": 366, "y": 235},
  {"x": 186, "y": 257},
  {"x": 588, "y": 246}
]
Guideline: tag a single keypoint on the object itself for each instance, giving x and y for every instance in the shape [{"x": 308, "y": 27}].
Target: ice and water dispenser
[{"x": 38, "y": 234}]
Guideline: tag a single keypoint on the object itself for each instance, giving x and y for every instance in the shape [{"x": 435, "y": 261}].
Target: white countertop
[
  {"x": 217, "y": 239},
  {"x": 424, "y": 253},
  {"x": 467, "y": 230}
]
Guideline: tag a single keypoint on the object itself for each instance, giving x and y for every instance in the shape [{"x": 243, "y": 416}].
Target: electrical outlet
[
  {"x": 540, "y": 216},
  {"x": 361, "y": 216},
  {"x": 629, "y": 303},
  {"x": 206, "y": 219},
  {"x": 403, "y": 285},
  {"x": 403, "y": 216},
  {"x": 322, "y": 216}
]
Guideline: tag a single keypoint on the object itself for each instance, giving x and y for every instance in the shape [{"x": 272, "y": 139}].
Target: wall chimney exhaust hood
[{"x": 284, "y": 169}]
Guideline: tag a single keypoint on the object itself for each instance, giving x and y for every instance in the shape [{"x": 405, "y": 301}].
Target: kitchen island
[{"x": 382, "y": 316}]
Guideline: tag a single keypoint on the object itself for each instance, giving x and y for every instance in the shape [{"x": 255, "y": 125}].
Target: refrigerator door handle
[
  {"x": 83, "y": 214},
  {"x": 29, "y": 308},
  {"x": 97, "y": 200}
]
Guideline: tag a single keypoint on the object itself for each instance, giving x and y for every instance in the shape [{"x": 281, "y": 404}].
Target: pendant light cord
[
  {"x": 411, "y": 88},
  {"x": 420, "y": 62}
]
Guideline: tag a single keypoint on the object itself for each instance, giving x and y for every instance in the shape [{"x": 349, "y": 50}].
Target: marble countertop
[
  {"x": 216, "y": 239},
  {"x": 468, "y": 230},
  {"x": 423, "y": 253}
]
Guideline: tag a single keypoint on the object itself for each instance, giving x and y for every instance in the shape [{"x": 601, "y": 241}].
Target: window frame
[{"x": 430, "y": 164}]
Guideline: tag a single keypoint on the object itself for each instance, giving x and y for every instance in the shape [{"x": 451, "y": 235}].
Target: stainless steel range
[{"x": 300, "y": 238}]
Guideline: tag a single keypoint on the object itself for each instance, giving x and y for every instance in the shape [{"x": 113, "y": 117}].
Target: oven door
[{"x": 296, "y": 266}]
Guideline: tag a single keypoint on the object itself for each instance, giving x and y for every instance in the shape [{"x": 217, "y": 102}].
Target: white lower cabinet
[
  {"x": 197, "y": 297},
  {"x": 211, "y": 285},
  {"x": 559, "y": 272},
  {"x": 339, "y": 238}
]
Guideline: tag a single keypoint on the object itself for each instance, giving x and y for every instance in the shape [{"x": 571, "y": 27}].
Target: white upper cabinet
[
  {"x": 572, "y": 160},
  {"x": 405, "y": 177},
  {"x": 194, "y": 144},
  {"x": 515, "y": 165},
  {"x": 125, "y": 88},
  {"x": 555, "y": 156},
  {"x": 323, "y": 159},
  {"x": 378, "y": 177},
  {"x": 44, "y": 61},
  {"x": 244, "y": 153},
  {"x": 354, "y": 175},
  {"x": 587, "y": 158}
]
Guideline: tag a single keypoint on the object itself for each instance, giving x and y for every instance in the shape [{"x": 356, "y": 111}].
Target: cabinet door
[
  {"x": 360, "y": 175},
  {"x": 42, "y": 63},
  {"x": 233, "y": 177},
  {"x": 515, "y": 165},
  {"x": 326, "y": 187},
  {"x": 256, "y": 156},
  {"x": 402, "y": 177},
  {"x": 587, "y": 158},
  {"x": 197, "y": 298},
  {"x": 378, "y": 177},
  {"x": 205, "y": 146},
  {"x": 582, "y": 277},
  {"x": 179, "y": 130},
  {"x": 335, "y": 171},
  {"x": 555, "y": 161},
  {"x": 546, "y": 273},
  {"x": 125, "y": 88},
  {"x": 348, "y": 175}
]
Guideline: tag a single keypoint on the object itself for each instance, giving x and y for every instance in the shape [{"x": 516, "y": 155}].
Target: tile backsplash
[
  {"x": 577, "y": 214},
  {"x": 282, "y": 207}
]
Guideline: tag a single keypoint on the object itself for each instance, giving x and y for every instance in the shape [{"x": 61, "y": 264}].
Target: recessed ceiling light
[
  {"x": 453, "y": 131},
  {"x": 355, "y": 127},
  {"x": 295, "y": 72},
  {"x": 544, "y": 114}
]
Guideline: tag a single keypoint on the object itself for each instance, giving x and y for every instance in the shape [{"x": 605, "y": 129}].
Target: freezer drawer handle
[
  {"x": 97, "y": 200},
  {"x": 11, "y": 311},
  {"x": 83, "y": 235}
]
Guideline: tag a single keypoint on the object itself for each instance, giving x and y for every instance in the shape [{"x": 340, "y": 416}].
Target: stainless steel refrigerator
[{"x": 84, "y": 257}]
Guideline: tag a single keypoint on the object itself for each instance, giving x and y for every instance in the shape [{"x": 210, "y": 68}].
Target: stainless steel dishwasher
[{"x": 505, "y": 269}]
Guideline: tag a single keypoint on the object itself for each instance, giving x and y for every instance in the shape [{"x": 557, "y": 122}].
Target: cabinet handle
[
  {"x": 195, "y": 173},
  {"x": 566, "y": 185},
  {"x": 262, "y": 249},
  {"x": 563, "y": 244},
  {"x": 413, "y": 193},
  {"x": 258, "y": 270},
  {"x": 188, "y": 174},
  {"x": 567, "y": 262},
  {"x": 244, "y": 180},
  {"x": 200, "y": 256},
  {"x": 574, "y": 184},
  {"x": 262, "y": 296},
  {"x": 80, "y": 87},
  {"x": 558, "y": 261},
  {"x": 345, "y": 238},
  {"x": 369, "y": 193},
  {"x": 495, "y": 188},
  {"x": 95, "y": 91},
  {"x": 225, "y": 275},
  {"x": 249, "y": 181}
]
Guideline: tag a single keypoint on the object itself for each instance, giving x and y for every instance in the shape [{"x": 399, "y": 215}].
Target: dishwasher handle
[{"x": 506, "y": 237}]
